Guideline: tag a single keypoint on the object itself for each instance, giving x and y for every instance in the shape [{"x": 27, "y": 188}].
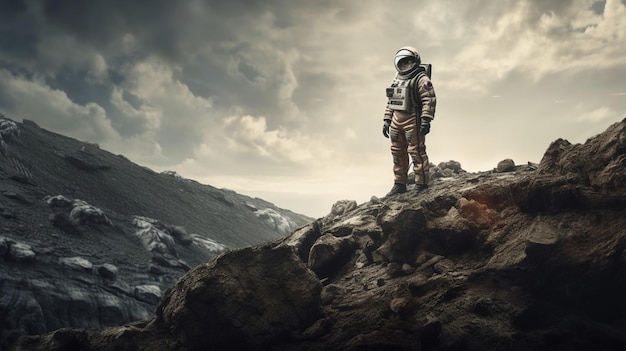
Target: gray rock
[
  {"x": 303, "y": 239},
  {"x": 343, "y": 207},
  {"x": 451, "y": 165},
  {"x": 447, "y": 169},
  {"x": 208, "y": 244},
  {"x": 329, "y": 254},
  {"x": 58, "y": 201},
  {"x": 108, "y": 271},
  {"x": 83, "y": 213},
  {"x": 76, "y": 263},
  {"x": 273, "y": 219},
  {"x": 21, "y": 252},
  {"x": 160, "y": 238},
  {"x": 181, "y": 235},
  {"x": 506, "y": 165},
  {"x": 148, "y": 293},
  {"x": 8, "y": 129},
  {"x": 154, "y": 236}
]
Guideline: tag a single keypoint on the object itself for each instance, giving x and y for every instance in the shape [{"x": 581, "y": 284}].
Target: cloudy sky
[{"x": 284, "y": 100}]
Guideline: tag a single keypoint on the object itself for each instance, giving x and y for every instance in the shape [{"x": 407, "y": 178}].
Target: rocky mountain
[
  {"x": 529, "y": 257},
  {"x": 90, "y": 239}
]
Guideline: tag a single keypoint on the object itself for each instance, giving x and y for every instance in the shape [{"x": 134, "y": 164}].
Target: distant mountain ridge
[{"x": 87, "y": 230}]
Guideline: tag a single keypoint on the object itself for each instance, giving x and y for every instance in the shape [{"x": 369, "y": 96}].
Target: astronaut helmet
[{"x": 407, "y": 60}]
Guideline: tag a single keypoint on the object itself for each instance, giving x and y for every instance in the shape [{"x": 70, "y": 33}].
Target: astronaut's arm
[
  {"x": 387, "y": 122},
  {"x": 428, "y": 98}
]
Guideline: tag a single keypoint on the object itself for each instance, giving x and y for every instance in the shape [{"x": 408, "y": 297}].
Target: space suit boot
[
  {"x": 398, "y": 188},
  {"x": 420, "y": 187}
]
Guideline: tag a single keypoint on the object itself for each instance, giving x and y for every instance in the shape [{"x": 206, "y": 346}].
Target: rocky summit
[
  {"x": 523, "y": 257},
  {"x": 89, "y": 239}
]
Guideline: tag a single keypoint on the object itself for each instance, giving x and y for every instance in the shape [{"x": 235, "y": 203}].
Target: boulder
[
  {"x": 148, "y": 293},
  {"x": 506, "y": 165},
  {"x": 20, "y": 252},
  {"x": 84, "y": 213},
  {"x": 446, "y": 170},
  {"x": 235, "y": 302}
]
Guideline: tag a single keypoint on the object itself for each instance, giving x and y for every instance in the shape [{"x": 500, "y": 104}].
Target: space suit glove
[
  {"x": 386, "y": 128},
  {"x": 425, "y": 125}
]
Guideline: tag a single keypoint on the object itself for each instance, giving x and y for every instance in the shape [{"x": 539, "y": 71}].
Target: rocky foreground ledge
[{"x": 530, "y": 259}]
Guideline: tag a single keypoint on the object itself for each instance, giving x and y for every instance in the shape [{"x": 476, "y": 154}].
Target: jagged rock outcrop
[
  {"x": 236, "y": 301},
  {"x": 91, "y": 240},
  {"x": 529, "y": 259}
]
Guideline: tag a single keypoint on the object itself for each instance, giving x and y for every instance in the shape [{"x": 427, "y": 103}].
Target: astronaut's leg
[
  {"x": 399, "y": 153},
  {"x": 417, "y": 150}
]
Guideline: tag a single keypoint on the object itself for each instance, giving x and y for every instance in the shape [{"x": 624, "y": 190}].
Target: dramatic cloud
[
  {"x": 32, "y": 97},
  {"x": 284, "y": 100}
]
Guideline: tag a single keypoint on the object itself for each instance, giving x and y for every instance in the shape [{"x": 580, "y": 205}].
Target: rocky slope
[
  {"x": 90, "y": 239},
  {"x": 519, "y": 258}
]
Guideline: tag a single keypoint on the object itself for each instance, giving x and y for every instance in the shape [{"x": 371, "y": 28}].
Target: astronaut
[{"x": 410, "y": 109}]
